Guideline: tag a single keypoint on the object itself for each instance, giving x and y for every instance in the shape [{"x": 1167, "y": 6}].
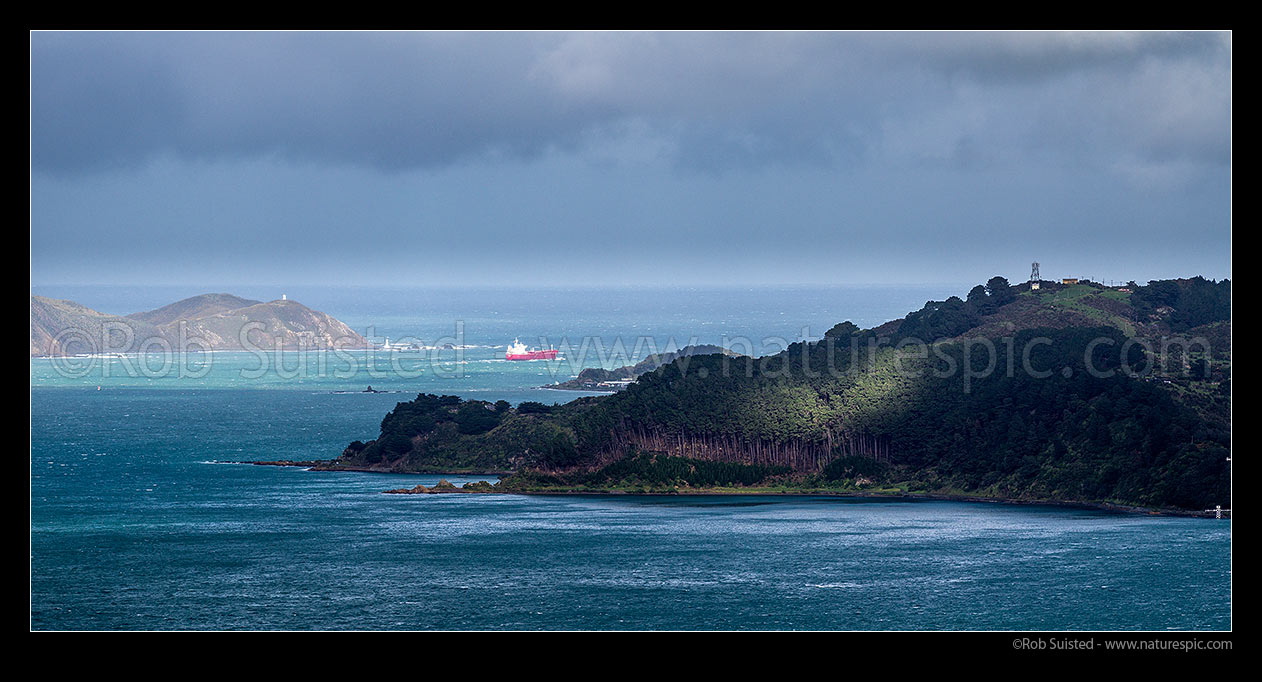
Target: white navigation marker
[{"x": 1218, "y": 511}]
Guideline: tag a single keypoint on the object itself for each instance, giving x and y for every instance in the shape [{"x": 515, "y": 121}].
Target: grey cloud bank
[
  {"x": 692, "y": 155},
  {"x": 397, "y": 101}
]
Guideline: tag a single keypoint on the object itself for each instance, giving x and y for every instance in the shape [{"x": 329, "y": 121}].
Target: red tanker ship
[{"x": 518, "y": 351}]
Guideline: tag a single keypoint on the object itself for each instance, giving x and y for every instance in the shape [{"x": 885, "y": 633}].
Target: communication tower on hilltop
[{"x": 1034, "y": 276}]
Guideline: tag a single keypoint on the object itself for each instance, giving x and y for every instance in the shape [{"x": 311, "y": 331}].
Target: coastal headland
[{"x": 1111, "y": 397}]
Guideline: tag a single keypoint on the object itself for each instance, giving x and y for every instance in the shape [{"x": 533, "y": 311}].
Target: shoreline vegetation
[
  {"x": 786, "y": 488},
  {"x": 1101, "y": 413}
]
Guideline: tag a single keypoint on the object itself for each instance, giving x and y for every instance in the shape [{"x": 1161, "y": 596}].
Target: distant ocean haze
[
  {"x": 417, "y": 311},
  {"x": 600, "y": 327}
]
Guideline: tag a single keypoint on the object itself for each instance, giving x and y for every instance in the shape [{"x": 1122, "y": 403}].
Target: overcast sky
[{"x": 652, "y": 158}]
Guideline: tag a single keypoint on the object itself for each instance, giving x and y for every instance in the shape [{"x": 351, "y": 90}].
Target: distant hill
[
  {"x": 194, "y": 308},
  {"x": 288, "y": 324},
  {"x": 60, "y": 327},
  {"x": 211, "y": 321}
]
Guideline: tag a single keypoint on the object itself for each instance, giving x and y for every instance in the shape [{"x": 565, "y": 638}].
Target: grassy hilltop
[{"x": 1078, "y": 393}]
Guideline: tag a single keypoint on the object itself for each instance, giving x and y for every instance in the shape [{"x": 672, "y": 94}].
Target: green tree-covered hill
[{"x": 1065, "y": 393}]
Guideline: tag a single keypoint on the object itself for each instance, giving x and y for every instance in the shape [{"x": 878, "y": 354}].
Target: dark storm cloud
[
  {"x": 95, "y": 102},
  {"x": 1031, "y": 57},
  {"x": 382, "y": 100},
  {"x": 627, "y": 157},
  {"x": 710, "y": 100}
]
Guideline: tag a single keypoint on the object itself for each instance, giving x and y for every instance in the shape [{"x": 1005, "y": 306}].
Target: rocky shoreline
[
  {"x": 334, "y": 465},
  {"x": 444, "y": 486},
  {"x": 310, "y": 464},
  {"x": 1091, "y": 506}
]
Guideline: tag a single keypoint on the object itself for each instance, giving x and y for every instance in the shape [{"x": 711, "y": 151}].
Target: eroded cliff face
[
  {"x": 268, "y": 326},
  {"x": 61, "y": 327}
]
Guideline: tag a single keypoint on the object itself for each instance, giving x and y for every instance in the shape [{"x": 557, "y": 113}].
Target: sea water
[{"x": 142, "y": 516}]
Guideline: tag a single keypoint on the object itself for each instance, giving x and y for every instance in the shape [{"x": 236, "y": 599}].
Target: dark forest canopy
[{"x": 1050, "y": 394}]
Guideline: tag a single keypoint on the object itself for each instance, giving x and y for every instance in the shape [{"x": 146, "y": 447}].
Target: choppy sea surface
[{"x": 141, "y": 519}]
